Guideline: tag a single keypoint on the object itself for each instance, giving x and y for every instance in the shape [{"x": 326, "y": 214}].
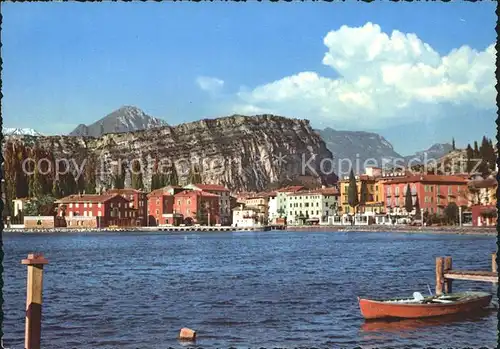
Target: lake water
[{"x": 271, "y": 289}]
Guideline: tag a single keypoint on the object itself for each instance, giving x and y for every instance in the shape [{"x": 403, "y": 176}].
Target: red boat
[{"x": 421, "y": 307}]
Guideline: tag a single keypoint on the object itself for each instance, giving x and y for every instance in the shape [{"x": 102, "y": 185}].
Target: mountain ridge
[{"x": 124, "y": 119}]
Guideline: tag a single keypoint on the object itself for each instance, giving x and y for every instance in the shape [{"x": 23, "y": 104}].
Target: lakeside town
[{"x": 375, "y": 197}]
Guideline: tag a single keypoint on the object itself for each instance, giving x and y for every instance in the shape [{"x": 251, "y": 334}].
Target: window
[
  {"x": 397, "y": 191},
  {"x": 90, "y": 213},
  {"x": 85, "y": 205},
  {"x": 179, "y": 202},
  {"x": 90, "y": 205},
  {"x": 99, "y": 205},
  {"x": 70, "y": 205},
  {"x": 76, "y": 205},
  {"x": 99, "y": 214},
  {"x": 317, "y": 212},
  {"x": 450, "y": 190},
  {"x": 189, "y": 202}
]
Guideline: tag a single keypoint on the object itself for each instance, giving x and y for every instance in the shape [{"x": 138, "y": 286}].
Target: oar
[{"x": 429, "y": 288}]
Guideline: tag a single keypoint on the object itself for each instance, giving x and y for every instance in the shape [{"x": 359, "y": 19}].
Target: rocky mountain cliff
[
  {"x": 241, "y": 152},
  {"x": 124, "y": 119}
]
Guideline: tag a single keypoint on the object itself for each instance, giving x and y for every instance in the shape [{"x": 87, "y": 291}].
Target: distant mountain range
[
  {"x": 11, "y": 131},
  {"x": 124, "y": 119},
  {"x": 353, "y": 145},
  {"x": 361, "y": 146}
]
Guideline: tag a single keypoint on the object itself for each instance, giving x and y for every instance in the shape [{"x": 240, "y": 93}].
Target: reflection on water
[
  {"x": 397, "y": 325},
  {"x": 274, "y": 289}
]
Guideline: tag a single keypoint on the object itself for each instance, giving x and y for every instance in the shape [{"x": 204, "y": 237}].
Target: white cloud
[
  {"x": 383, "y": 79},
  {"x": 209, "y": 84}
]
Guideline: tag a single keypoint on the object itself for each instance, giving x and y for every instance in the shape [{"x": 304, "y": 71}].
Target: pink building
[{"x": 434, "y": 192}]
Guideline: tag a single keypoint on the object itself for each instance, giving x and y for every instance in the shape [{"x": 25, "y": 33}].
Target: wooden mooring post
[
  {"x": 32, "y": 335},
  {"x": 445, "y": 274}
]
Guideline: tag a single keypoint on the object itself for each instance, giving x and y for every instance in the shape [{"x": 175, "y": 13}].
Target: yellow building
[{"x": 374, "y": 201}]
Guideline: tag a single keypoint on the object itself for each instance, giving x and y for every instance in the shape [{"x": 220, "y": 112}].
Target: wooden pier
[{"x": 445, "y": 274}]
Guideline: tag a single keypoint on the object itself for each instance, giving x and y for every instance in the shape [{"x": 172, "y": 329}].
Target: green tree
[
  {"x": 470, "y": 155},
  {"x": 352, "y": 192},
  {"x": 155, "y": 184},
  {"x": 451, "y": 212},
  {"x": 476, "y": 149},
  {"x": 35, "y": 184},
  {"x": 417, "y": 208},
  {"x": 43, "y": 206},
  {"x": 194, "y": 176},
  {"x": 136, "y": 175},
  {"x": 363, "y": 194},
  {"x": 453, "y": 144},
  {"x": 56, "y": 189},
  {"x": 408, "y": 200},
  {"x": 174, "y": 178}
]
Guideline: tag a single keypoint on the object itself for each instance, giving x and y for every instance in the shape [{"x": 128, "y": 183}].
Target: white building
[
  {"x": 272, "y": 207},
  {"x": 282, "y": 198},
  {"x": 19, "y": 205},
  {"x": 247, "y": 217},
  {"x": 312, "y": 207}
]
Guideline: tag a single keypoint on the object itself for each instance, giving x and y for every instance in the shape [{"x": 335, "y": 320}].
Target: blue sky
[{"x": 71, "y": 63}]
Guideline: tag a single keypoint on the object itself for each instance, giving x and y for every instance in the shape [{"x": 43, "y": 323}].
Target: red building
[
  {"x": 224, "y": 199},
  {"x": 484, "y": 215},
  {"x": 434, "y": 192},
  {"x": 138, "y": 200},
  {"x": 160, "y": 208},
  {"x": 96, "y": 211},
  {"x": 197, "y": 206}
]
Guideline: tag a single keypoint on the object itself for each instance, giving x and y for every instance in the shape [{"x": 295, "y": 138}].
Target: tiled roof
[
  {"x": 291, "y": 189},
  {"x": 427, "y": 179},
  {"x": 125, "y": 191},
  {"x": 88, "y": 198},
  {"x": 163, "y": 191},
  {"x": 322, "y": 191},
  {"x": 211, "y": 187},
  {"x": 197, "y": 193},
  {"x": 489, "y": 182}
]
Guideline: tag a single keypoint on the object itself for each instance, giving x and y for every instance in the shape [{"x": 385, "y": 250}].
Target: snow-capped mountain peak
[{"x": 13, "y": 131}]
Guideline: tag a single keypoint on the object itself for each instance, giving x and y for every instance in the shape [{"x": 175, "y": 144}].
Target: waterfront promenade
[{"x": 464, "y": 230}]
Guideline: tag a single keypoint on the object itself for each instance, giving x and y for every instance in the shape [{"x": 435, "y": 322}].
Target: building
[
  {"x": 313, "y": 206},
  {"x": 373, "y": 202},
  {"x": 484, "y": 215},
  {"x": 197, "y": 207},
  {"x": 160, "y": 207},
  {"x": 224, "y": 199},
  {"x": 96, "y": 211},
  {"x": 434, "y": 192},
  {"x": 244, "y": 217},
  {"x": 138, "y": 200},
  {"x": 282, "y": 198},
  {"x": 19, "y": 205},
  {"x": 260, "y": 202},
  {"x": 272, "y": 207},
  {"x": 483, "y": 191}
]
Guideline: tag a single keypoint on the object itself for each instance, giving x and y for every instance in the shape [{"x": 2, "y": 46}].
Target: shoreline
[{"x": 483, "y": 231}]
